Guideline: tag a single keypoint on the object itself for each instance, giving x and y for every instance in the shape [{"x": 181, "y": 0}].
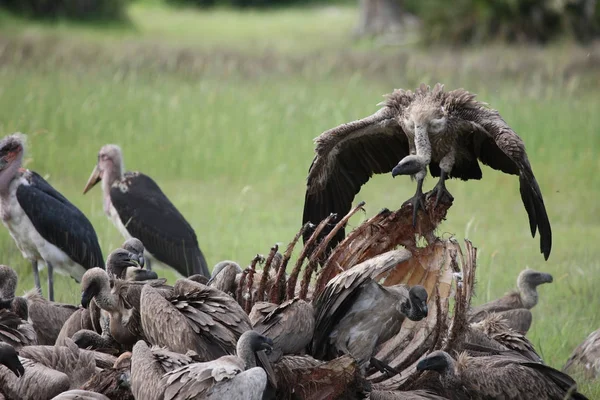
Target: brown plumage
[
  {"x": 195, "y": 317},
  {"x": 77, "y": 364},
  {"x": 496, "y": 328},
  {"x": 586, "y": 357},
  {"x": 148, "y": 365},
  {"x": 113, "y": 382},
  {"x": 499, "y": 377},
  {"x": 228, "y": 377},
  {"x": 79, "y": 320},
  {"x": 224, "y": 276},
  {"x": 121, "y": 299},
  {"x": 291, "y": 326},
  {"x": 15, "y": 331},
  {"x": 47, "y": 317},
  {"x": 447, "y": 131},
  {"x": 23, "y": 379},
  {"x": 526, "y": 296}
]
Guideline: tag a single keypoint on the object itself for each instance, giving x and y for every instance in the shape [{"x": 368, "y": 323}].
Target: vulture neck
[
  {"x": 245, "y": 352},
  {"x": 105, "y": 299},
  {"x": 529, "y": 295},
  {"x": 422, "y": 145},
  {"x": 9, "y": 174}
]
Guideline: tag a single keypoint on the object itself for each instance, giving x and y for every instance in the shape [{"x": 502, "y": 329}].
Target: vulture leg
[
  {"x": 383, "y": 367},
  {"x": 50, "y": 281},
  {"x": 440, "y": 189},
  {"x": 417, "y": 200},
  {"x": 36, "y": 275}
]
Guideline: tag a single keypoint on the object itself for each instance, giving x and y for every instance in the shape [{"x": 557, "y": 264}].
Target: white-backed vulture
[
  {"x": 290, "y": 325},
  {"x": 496, "y": 328},
  {"x": 79, "y": 394},
  {"x": 135, "y": 246},
  {"x": 15, "y": 331},
  {"x": 499, "y": 377},
  {"x": 23, "y": 379},
  {"x": 228, "y": 377},
  {"x": 79, "y": 320},
  {"x": 148, "y": 365},
  {"x": 224, "y": 276},
  {"x": 586, "y": 357},
  {"x": 123, "y": 264},
  {"x": 121, "y": 300},
  {"x": 447, "y": 131},
  {"x": 77, "y": 364},
  {"x": 525, "y": 297},
  {"x": 194, "y": 317},
  {"x": 354, "y": 316}
]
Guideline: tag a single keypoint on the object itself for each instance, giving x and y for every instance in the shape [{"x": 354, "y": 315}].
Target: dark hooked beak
[
  {"x": 266, "y": 365},
  {"x": 143, "y": 274},
  {"x": 433, "y": 363},
  {"x": 86, "y": 297},
  {"x": 406, "y": 167},
  {"x": 547, "y": 278},
  {"x": 95, "y": 177},
  {"x": 424, "y": 310},
  {"x": 17, "y": 368}
]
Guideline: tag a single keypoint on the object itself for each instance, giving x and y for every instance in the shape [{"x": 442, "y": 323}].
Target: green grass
[{"x": 223, "y": 119}]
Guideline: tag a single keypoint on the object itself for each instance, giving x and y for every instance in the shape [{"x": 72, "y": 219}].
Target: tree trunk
[{"x": 379, "y": 17}]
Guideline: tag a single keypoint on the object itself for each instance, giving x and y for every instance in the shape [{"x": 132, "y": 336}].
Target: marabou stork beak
[{"x": 95, "y": 177}]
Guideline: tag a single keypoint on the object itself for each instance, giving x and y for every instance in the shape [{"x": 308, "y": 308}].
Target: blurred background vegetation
[{"x": 456, "y": 22}]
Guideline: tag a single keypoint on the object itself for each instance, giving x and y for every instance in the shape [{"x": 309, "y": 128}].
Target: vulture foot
[
  {"x": 440, "y": 190},
  {"x": 384, "y": 368},
  {"x": 417, "y": 202}
]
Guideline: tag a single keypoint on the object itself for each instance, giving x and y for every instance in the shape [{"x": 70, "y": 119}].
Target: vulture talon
[
  {"x": 417, "y": 202},
  {"x": 440, "y": 190},
  {"x": 384, "y": 368}
]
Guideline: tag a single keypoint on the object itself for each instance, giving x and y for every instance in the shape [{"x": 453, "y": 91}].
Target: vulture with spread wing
[{"x": 447, "y": 131}]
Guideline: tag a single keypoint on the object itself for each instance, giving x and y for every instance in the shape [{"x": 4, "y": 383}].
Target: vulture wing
[
  {"x": 348, "y": 155},
  {"x": 489, "y": 138}
]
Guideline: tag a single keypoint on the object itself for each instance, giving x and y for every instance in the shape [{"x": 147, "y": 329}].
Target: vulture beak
[
  {"x": 86, "y": 297},
  {"x": 408, "y": 166},
  {"x": 95, "y": 177},
  {"x": 17, "y": 368},
  {"x": 431, "y": 363},
  {"x": 266, "y": 364}
]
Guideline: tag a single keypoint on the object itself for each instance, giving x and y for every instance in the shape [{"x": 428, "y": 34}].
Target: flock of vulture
[{"x": 228, "y": 333}]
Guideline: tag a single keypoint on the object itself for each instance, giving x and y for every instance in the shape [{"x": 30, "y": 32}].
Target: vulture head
[
  {"x": 415, "y": 307},
  {"x": 119, "y": 260},
  {"x": 10, "y": 358},
  {"x": 423, "y": 117},
  {"x": 92, "y": 283},
  {"x": 532, "y": 279},
  {"x": 109, "y": 166},
  {"x": 136, "y": 247},
  {"x": 438, "y": 361}
]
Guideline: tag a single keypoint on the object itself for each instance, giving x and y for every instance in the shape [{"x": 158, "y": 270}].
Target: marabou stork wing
[
  {"x": 348, "y": 155},
  {"x": 59, "y": 221},
  {"x": 149, "y": 215},
  {"x": 494, "y": 143}
]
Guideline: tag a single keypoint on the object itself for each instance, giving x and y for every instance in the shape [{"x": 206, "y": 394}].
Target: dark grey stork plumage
[
  {"x": 45, "y": 226},
  {"x": 139, "y": 208},
  {"x": 448, "y": 131}
]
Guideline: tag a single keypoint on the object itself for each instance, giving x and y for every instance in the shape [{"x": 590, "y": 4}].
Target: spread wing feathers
[
  {"x": 348, "y": 155},
  {"x": 509, "y": 301},
  {"x": 198, "y": 379},
  {"x": 149, "y": 215},
  {"x": 169, "y": 360},
  {"x": 214, "y": 317},
  {"x": 60, "y": 222},
  {"x": 586, "y": 356},
  {"x": 511, "y": 377},
  {"x": 260, "y": 310},
  {"x": 291, "y": 326},
  {"x": 15, "y": 331},
  {"x": 493, "y": 142},
  {"x": 517, "y": 342},
  {"x": 341, "y": 291}
]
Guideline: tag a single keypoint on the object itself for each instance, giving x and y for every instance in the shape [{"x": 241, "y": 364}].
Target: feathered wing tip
[{"x": 533, "y": 201}]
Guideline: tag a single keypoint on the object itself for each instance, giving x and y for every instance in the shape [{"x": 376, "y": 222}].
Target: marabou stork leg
[
  {"x": 440, "y": 189},
  {"x": 50, "y": 281},
  {"x": 417, "y": 200},
  {"x": 36, "y": 275}
]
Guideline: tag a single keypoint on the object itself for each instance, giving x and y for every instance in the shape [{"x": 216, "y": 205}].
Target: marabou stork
[
  {"x": 138, "y": 208},
  {"x": 44, "y": 224}
]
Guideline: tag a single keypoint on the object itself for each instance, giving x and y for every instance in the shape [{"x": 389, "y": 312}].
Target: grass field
[{"x": 221, "y": 107}]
